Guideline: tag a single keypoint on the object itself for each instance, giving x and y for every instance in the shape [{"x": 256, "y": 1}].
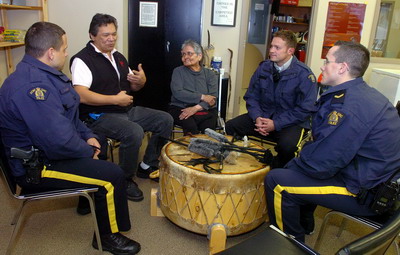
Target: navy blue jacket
[
  {"x": 39, "y": 107},
  {"x": 289, "y": 103},
  {"x": 356, "y": 134}
]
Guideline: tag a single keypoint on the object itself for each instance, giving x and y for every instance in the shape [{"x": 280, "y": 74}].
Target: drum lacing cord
[{"x": 206, "y": 162}]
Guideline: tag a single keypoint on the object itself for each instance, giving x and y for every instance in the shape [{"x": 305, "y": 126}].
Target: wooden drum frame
[{"x": 196, "y": 200}]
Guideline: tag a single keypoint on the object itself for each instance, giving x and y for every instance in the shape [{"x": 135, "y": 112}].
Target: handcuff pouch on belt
[
  {"x": 387, "y": 196},
  {"x": 32, "y": 163}
]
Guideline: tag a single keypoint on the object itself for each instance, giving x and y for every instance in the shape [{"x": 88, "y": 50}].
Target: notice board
[{"x": 344, "y": 22}]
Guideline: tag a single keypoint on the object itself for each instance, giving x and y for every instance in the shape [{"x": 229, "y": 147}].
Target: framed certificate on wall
[
  {"x": 223, "y": 13},
  {"x": 148, "y": 12}
]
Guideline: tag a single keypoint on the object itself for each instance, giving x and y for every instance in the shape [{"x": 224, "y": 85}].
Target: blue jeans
[{"x": 129, "y": 128}]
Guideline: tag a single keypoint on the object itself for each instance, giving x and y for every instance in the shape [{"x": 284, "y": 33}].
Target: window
[{"x": 387, "y": 35}]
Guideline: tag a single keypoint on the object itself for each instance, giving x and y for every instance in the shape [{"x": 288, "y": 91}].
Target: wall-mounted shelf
[
  {"x": 19, "y": 7},
  {"x": 8, "y": 46},
  {"x": 300, "y": 15},
  {"x": 291, "y": 23}
]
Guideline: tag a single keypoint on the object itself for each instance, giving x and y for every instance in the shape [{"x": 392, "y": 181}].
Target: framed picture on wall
[
  {"x": 148, "y": 12},
  {"x": 223, "y": 13}
]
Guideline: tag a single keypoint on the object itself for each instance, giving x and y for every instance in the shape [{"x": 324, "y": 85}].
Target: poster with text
[{"x": 344, "y": 22}]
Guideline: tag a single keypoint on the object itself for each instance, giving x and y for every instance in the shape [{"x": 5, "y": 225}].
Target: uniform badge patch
[
  {"x": 39, "y": 94},
  {"x": 311, "y": 77},
  {"x": 334, "y": 118}
]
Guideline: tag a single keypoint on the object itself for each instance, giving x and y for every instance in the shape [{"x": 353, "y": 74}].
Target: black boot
[
  {"x": 133, "y": 192},
  {"x": 117, "y": 244}
]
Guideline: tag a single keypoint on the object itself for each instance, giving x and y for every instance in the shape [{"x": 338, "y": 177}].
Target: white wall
[
  {"x": 224, "y": 38},
  {"x": 74, "y": 17}
]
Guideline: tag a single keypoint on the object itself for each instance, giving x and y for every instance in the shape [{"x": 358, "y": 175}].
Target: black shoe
[
  {"x": 133, "y": 192},
  {"x": 117, "y": 244},
  {"x": 145, "y": 173},
  {"x": 83, "y": 206}
]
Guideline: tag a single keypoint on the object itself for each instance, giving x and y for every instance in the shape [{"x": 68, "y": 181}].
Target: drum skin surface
[{"x": 195, "y": 200}]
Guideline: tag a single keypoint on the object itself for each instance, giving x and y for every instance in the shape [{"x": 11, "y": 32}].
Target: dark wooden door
[{"x": 158, "y": 48}]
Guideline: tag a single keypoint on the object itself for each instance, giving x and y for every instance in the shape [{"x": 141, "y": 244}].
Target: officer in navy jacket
[
  {"x": 279, "y": 100},
  {"x": 355, "y": 147},
  {"x": 39, "y": 107}
]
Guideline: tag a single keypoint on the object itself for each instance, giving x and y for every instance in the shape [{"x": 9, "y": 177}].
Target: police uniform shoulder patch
[
  {"x": 38, "y": 93},
  {"x": 338, "y": 97},
  {"x": 334, "y": 118},
  {"x": 311, "y": 77}
]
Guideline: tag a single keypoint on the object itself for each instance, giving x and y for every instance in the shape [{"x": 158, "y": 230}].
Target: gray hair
[{"x": 196, "y": 47}]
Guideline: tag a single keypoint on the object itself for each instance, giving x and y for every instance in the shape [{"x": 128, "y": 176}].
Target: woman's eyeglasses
[{"x": 189, "y": 54}]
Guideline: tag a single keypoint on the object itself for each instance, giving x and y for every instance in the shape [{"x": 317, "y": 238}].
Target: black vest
[{"x": 105, "y": 79}]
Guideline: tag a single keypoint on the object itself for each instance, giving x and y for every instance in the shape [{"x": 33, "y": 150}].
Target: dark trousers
[
  {"x": 289, "y": 192},
  {"x": 196, "y": 123},
  {"x": 286, "y": 139},
  {"x": 129, "y": 128},
  {"x": 110, "y": 200}
]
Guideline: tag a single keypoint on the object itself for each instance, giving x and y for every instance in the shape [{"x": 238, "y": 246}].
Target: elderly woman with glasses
[{"x": 194, "y": 92}]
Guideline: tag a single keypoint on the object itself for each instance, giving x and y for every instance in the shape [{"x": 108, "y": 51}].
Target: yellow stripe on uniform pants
[
  {"x": 86, "y": 180},
  {"x": 323, "y": 190}
]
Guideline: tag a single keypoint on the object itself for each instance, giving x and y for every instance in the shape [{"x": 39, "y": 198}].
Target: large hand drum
[{"x": 196, "y": 200}]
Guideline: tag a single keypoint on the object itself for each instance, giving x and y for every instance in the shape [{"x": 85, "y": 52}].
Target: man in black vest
[{"x": 104, "y": 81}]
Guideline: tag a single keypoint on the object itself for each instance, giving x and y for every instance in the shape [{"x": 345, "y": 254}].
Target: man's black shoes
[
  {"x": 117, "y": 244},
  {"x": 145, "y": 173},
  {"x": 133, "y": 192}
]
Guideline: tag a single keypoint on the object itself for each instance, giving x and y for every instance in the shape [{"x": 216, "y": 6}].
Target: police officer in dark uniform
[
  {"x": 355, "y": 147},
  {"x": 38, "y": 107},
  {"x": 279, "y": 100}
]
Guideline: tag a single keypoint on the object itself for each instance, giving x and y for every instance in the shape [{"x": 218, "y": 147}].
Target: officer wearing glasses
[
  {"x": 194, "y": 92},
  {"x": 279, "y": 100},
  {"x": 355, "y": 147}
]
